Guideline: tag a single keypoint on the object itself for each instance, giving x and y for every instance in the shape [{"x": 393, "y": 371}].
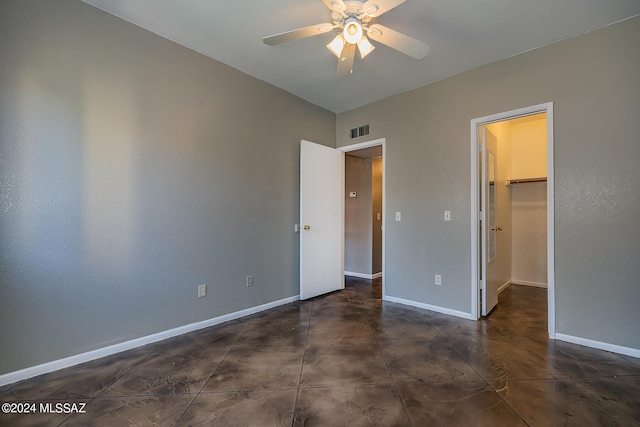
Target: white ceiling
[{"x": 463, "y": 34}]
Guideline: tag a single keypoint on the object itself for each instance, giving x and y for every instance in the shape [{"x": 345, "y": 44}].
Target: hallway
[{"x": 348, "y": 358}]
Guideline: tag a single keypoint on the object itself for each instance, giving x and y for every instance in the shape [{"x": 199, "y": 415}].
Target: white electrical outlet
[
  {"x": 202, "y": 291},
  {"x": 438, "y": 279},
  {"x": 250, "y": 281}
]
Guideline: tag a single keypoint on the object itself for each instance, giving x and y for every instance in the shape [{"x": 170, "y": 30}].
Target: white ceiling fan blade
[
  {"x": 405, "y": 44},
  {"x": 336, "y": 6},
  {"x": 300, "y": 33},
  {"x": 375, "y": 8},
  {"x": 345, "y": 62}
]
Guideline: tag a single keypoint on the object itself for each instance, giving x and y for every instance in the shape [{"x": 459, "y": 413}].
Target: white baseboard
[
  {"x": 55, "y": 365},
  {"x": 628, "y": 351},
  {"x": 505, "y": 286},
  {"x": 429, "y": 307},
  {"x": 528, "y": 283},
  {"x": 363, "y": 275}
]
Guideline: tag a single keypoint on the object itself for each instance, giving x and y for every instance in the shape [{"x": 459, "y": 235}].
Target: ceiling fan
[{"x": 353, "y": 18}]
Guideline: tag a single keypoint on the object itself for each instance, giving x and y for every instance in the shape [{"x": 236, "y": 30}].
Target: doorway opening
[
  {"x": 364, "y": 211},
  {"x": 512, "y": 206}
]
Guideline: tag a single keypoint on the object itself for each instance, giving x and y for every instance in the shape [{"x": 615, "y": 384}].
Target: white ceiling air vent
[{"x": 360, "y": 131}]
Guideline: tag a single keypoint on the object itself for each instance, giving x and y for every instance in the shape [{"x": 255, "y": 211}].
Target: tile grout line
[
  {"x": 97, "y": 395},
  {"x": 213, "y": 372},
  {"x": 393, "y": 381},
  {"x": 488, "y": 383},
  {"x": 304, "y": 353}
]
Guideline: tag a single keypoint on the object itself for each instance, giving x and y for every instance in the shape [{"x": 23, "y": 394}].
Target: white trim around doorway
[{"x": 475, "y": 265}]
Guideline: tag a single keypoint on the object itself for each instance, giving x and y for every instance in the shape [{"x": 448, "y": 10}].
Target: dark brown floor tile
[
  {"x": 132, "y": 411},
  {"x": 80, "y": 381},
  {"x": 37, "y": 417},
  {"x": 426, "y": 361},
  {"x": 517, "y": 325},
  {"x": 457, "y": 404},
  {"x": 352, "y": 354},
  {"x": 373, "y": 307},
  {"x": 403, "y": 329},
  {"x": 561, "y": 402},
  {"x": 348, "y": 294},
  {"x": 348, "y": 310},
  {"x": 256, "y": 408},
  {"x": 345, "y": 364},
  {"x": 279, "y": 332},
  {"x": 380, "y": 313},
  {"x": 169, "y": 372},
  {"x": 633, "y": 361},
  {"x": 506, "y": 359},
  {"x": 340, "y": 331},
  {"x": 222, "y": 336},
  {"x": 521, "y": 312},
  {"x": 580, "y": 362},
  {"x": 368, "y": 294},
  {"x": 350, "y": 406},
  {"x": 624, "y": 392},
  {"x": 450, "y": 326},
  {"x": 299, "y": 311},
  {"x": 247, "y": 367},
  {"x": 392, "y": 317}
]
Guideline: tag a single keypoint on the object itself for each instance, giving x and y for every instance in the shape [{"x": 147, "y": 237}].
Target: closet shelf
[{"x": 526, "y": 180}]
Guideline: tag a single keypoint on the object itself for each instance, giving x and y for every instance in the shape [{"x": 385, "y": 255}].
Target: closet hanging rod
[{"x": 526, "y": 180}]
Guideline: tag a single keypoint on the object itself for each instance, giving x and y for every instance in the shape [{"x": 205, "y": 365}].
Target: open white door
[
  {"x": 321, "y": 219},
  {"x": 488, "y": 228}
]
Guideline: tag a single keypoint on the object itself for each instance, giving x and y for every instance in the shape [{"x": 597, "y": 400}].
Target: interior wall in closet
[
  {"x": 521, "y": 171},
  {"x": 529, "y": 200}
]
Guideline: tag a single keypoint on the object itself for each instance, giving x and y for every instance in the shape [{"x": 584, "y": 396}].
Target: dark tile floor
[{"x": 349, "y": 359}]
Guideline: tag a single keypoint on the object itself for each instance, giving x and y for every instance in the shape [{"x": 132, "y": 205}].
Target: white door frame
[
  {"x": 475, "y": 265},
  {"x": 360, "y": 146}
]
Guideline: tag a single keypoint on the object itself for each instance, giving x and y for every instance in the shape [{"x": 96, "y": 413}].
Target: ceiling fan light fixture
[
  {"x": 365, "y": 47},
  {"x": 336, "y": 45},
  {"x": 352, "y": 32}
]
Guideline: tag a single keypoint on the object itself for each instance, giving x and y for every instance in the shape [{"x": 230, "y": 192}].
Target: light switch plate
[
  {"x": 398, "y": 216},
  {"x": 447, "y": 215}
]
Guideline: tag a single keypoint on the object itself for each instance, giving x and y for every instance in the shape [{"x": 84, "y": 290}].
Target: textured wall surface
[
  {"x": 593, "y": 82},
  {"x": 358, "y": 239},
  {"x": 131, "y": 171}
]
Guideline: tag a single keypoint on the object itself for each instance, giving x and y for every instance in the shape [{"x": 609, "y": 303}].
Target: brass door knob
[
  {"x": 496, "y": 228},
  {"x": 307, "y": 227}
]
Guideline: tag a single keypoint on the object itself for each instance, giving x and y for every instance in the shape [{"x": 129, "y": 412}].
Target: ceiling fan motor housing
[{"x": 354, "y": 9}]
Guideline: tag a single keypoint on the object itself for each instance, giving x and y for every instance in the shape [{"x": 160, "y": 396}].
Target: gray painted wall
[
  {"x": 131, "y": 171},
  {"x": 593, "y": 81},
  {"x": 358, "y": 239}
]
